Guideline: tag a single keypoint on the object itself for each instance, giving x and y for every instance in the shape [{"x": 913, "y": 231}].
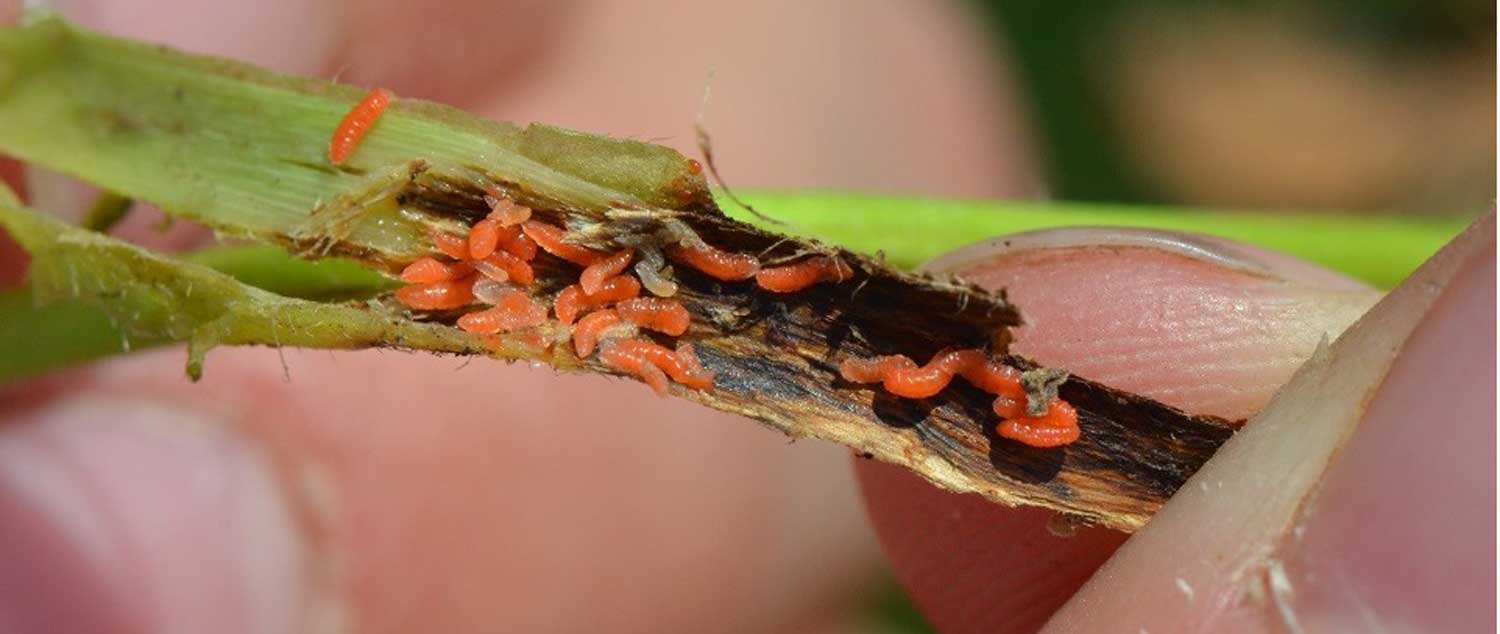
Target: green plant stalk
[
  {"x": 1381, "y": 250},
  {"x": 140, "y": 298},
  {"x": 243, "y": 150},
  {"x": 65, "y": 330}
]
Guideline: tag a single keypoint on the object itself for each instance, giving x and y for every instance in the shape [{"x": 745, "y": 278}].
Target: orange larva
[
  {"x": 515, "y": 269},
  {"x": 682, "y": 365},
  {"x": 615, "y": 289},
  {"x": 439, "y": 295},
  {"x": 356, "y": 123},
  {"x": 595, "y": 274},
  {"x": 718, "y": 264},
  {"x": 795, "y": 277},
  {"x": 569, "y": 303},
  {"x": 514, "y": 242},
  {"x": 456, "y": 247},
  {"x": 901, "y": 376},
  {"x": 505, "y": 211},
  {"x": 550, "y": 239},
  {"x": 428, "y": 270},
  {"x": 572, "y": 301},
  {"x": 691, "y": 371},
  {"x": 662, "y": 315},
  {"x": 694, "y": 167},
  {"x": 620, "y": 354},
  {"x": 589, "y": 328},
  {"x": 980, "y": 371},
  {"x": 996, "y": 378},
  {"x": 484, "y": 238},
  {"x": 535, "y": 341},
  {"x": 1058, "y": 427},
  {"x": 875, "y": 369},
  {"x": 919, "y": 382},
  {"x": 1007, "y": 406},
  {"x": 514, "y": 311}
]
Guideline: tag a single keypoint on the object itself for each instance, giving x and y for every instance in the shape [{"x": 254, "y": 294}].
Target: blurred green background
[{"x": 1345, "y": 104}]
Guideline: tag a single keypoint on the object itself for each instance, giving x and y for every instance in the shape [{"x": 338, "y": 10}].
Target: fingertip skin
[
  {"x": 1360, "y": 499},
  {"x": 1208, "y": 333},
  {"x": 972, "y": 565},
  {"x": 1422, "y": 461},
  {"x": 1194, "y": 333}
]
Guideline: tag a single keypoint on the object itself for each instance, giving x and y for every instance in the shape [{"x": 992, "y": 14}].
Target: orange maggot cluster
[
  {"x": 901, "y": 376},
  {"x": 491, "y": 266}
]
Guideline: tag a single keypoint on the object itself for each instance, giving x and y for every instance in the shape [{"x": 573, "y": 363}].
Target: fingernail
[
  {"x": 1400, "y": 532},
  {"x": 976, "y": 258},
  {"x": 1223, "y": 554},
  {"x": 289, "y": 36},
  {"x": 130, "y": 515}
]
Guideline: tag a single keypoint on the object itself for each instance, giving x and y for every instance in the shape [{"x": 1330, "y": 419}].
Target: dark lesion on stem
[{"x": 776, "y": 359}]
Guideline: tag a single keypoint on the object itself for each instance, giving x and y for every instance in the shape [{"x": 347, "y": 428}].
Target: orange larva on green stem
[
  {"x": 590, "y": 328},
  {"x": 514, "y": 311},
  {"x": 513, "y": 268},
  {"x": 456, "y": 247},
  {"x": 484, "y": 238},
  {"x": 429, "y": 270},
  {"x": 621, "y": 355},
  {"x": 595, "y": 274},
  {"x": 572, "y": 301},
  {"x": 504, "y": 210},
  {"x": 551, "y": 239},
  {"x": 795, "y": 277},
  {"x": 514, "y": 242},
  {"x": 356, "y": 123},
  {"x": 439, "y": 295}
]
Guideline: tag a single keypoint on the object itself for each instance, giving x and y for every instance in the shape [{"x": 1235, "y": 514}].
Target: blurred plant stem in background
[{"x": 1384, "y": 105}]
